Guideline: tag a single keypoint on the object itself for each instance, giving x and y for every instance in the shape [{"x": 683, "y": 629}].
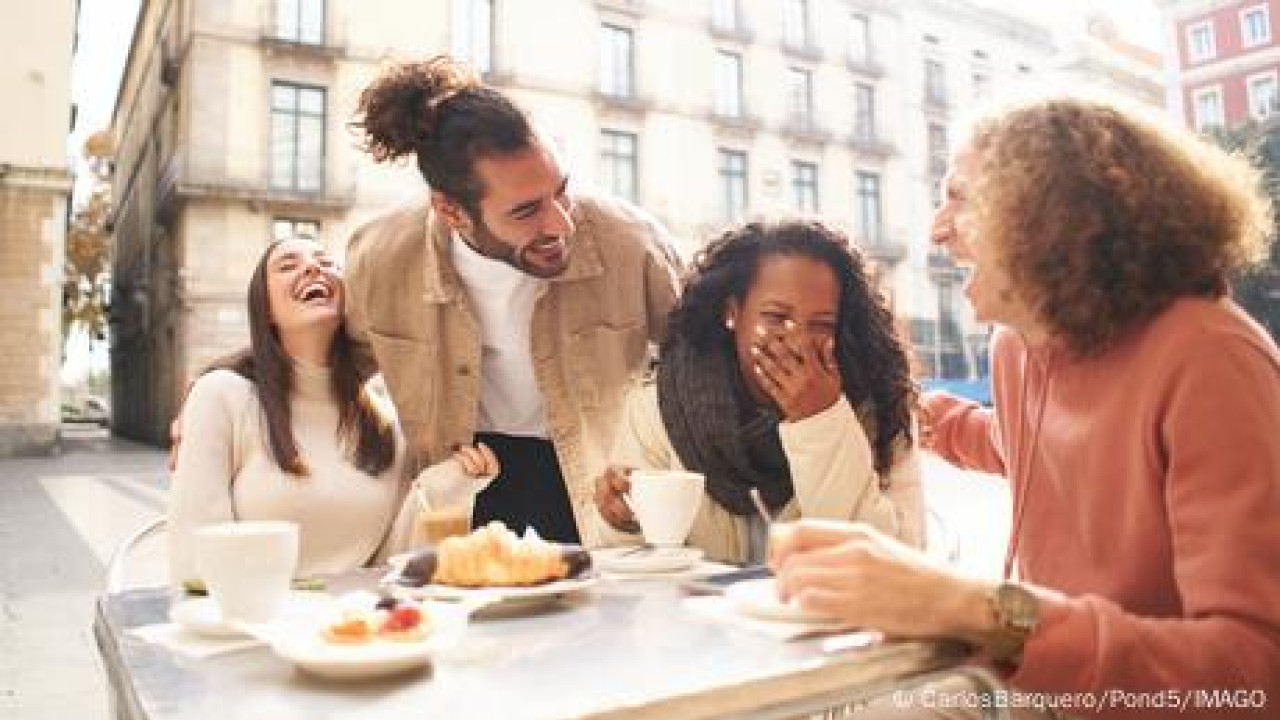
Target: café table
[{"x": 623, "y": 649}]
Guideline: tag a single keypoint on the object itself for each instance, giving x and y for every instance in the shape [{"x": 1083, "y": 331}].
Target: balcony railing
[
  {"x": 883, "y": 248},
  {"x": 865, "y": 66},
  {"x": 803, "y": 128},
  {"x": 742, "y": 121},
  {"x": 632, "y": 102},
  {"x": 802, "y": 50},
  {"x": 943, "y": 270},
  {"x": 179, "y": 183},
  {"x": 331, "y": 42},
  {"x": 871, "y": 145},
  {"x": 629, "y": 7},
  {"x": 731, "y": 32}
]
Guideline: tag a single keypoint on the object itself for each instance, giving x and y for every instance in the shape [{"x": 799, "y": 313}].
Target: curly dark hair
[
  {"x": 1104, "y": 217},
  {"x": 875, "y": 370},
  {"x": 438, "y": 110}
]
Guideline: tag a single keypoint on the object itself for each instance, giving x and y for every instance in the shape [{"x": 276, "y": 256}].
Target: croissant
[{"x": 493, "y": 555}]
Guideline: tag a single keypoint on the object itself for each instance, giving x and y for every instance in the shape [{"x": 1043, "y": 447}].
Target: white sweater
[
  {"x": 832, "y": 470},
  {"x": 225, "y": 471}
]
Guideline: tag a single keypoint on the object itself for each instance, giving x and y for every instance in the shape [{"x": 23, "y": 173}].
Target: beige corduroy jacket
[{"x": 410, "y": 316}]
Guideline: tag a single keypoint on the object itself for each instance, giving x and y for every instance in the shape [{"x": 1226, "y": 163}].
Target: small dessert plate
[
  {"x": 303, "y": 644},
  {"x": 759, "y": 599}
]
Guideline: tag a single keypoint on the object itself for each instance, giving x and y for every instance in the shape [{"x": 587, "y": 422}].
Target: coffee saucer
[{"x": 647, "y": 559}]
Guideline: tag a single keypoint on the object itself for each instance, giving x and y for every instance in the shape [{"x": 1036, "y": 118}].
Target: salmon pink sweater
[{"x": 1146, "y": 486}]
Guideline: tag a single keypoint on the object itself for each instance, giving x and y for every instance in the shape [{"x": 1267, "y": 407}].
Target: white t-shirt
[{"x": 503, "y": 298}]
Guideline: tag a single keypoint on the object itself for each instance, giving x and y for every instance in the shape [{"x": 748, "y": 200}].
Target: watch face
[{"x": 1018, "y": 606}]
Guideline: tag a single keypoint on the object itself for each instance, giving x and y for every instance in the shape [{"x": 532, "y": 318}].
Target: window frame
[
  {"x": 870, "y": 233},
  {"x": 608, "y": 74},
  {"x": 465, "y": 32},
  {"x": 611, "y": 158},
  {"x": 1211, "y": 44},
  {"x": 730, "y": 177},
  {"x": 1244, "y": 14},
  {"x": 1274, "y": 77},
  {"x": 805, "y": 180},
  {"x": 298, "y": 114},
  {"x": 1205, "y": 91},
  {"x": 724, "y": 59},
  {"x": 299, "y": 8}
]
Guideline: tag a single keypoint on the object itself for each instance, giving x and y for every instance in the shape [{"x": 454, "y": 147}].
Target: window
[
  {"x": 860, "y": 38},
  {"x": 286, "y": 228},
  {"x": 1200, "y": 41},
  {"x": 800, "y": 96},
  {"x": 869, "y": 210},
  {"x": 804, "y": 186},
  {"x": 618, "y": 163},
  {"x": 1264, "y": 101},
  {"x": 724, "y": 14},
  {"x": 864, "y": 112},
  {"x": 733, "y": 184},
  {"x": 297, "y": 137},
  {"x": 935, "y": 82},
  {"x": 300, "y": 21},
  {"x": 617, "y": 57},
  {"x": 728, "y": 90},
  {"x": 1207, "y": 104},
  {"x": 795, "y": 23},
  {"x": 937, "y": 143},
  {"x": 981, "y": 84},
  {"x": 473, "y": 33},
  {"x": 937, "y": 162},
  {"x": 1255, "y": 25}
]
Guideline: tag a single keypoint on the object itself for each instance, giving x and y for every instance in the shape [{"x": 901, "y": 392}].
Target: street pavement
[{"x": 61, "y": 518}]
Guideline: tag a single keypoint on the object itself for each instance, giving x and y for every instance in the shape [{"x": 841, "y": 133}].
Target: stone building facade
[
  {"x": 232, "y": 130},
  {"x": 35, "y": 188}
]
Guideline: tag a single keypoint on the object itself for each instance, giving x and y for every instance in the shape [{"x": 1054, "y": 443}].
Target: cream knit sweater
[{"x": 225, "y": 471}]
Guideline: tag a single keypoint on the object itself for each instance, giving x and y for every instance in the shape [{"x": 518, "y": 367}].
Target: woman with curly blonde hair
[{"x": 1136, "y": 415}]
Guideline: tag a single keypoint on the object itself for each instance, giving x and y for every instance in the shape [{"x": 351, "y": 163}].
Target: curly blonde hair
[{"x": 1103, "y": 217}]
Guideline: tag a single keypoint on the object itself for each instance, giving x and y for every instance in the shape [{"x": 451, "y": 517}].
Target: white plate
[
  {"x": 759, "y": 599},
  {"x": 641, "y": 560},
  {"x": 201, "y": 615},
  {"x": 548, "y": 591},
  {"x": 301, "y": 643}
]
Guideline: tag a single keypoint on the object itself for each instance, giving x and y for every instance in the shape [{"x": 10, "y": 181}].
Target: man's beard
[{"x": 484, "y": 242}]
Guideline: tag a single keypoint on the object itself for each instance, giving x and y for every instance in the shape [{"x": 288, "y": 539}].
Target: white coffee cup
[
  {"x": 665, "y": 502},
  {"x": 247, "y": 566}
]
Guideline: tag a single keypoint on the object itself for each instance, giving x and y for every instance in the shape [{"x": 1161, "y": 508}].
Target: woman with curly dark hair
[
  {"x": 1136, "y": 415},
  {"x": 780, "y": 371}
]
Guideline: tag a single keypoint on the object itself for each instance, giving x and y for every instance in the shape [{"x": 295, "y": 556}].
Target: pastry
[{"x": 494, "y": 556}]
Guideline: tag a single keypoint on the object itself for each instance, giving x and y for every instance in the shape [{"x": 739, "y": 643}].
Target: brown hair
[
  {"x": 875, "y": 371},
  {"x": 362, "y": 429},
  {"x": 437, "y": 110},
  {"x": 1103, "y": 217}
]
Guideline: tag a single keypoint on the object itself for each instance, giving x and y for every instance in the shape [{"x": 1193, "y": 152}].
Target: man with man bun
[{"x": 508, "y": 309}]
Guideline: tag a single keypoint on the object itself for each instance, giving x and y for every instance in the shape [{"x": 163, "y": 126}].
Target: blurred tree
[
  {"x": 1257, "y": 289},
  {"x": 86, "y": 275}
]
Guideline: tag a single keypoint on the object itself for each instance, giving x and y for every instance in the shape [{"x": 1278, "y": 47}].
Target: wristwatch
[{"x": 1017, "y": 612}]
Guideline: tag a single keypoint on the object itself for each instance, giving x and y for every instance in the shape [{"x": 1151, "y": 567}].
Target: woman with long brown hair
[{"x": 288, "y": 430}]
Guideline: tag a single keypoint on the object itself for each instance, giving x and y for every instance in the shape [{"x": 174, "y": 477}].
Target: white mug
[
  {"x": 247, "y": 566},
  {"x": 665, "y": 503}
]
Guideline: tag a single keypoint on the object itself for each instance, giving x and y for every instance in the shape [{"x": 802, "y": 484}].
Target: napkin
[
  {"x": 172, "y": 636},
  {"x": 720, "y": 608}
]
